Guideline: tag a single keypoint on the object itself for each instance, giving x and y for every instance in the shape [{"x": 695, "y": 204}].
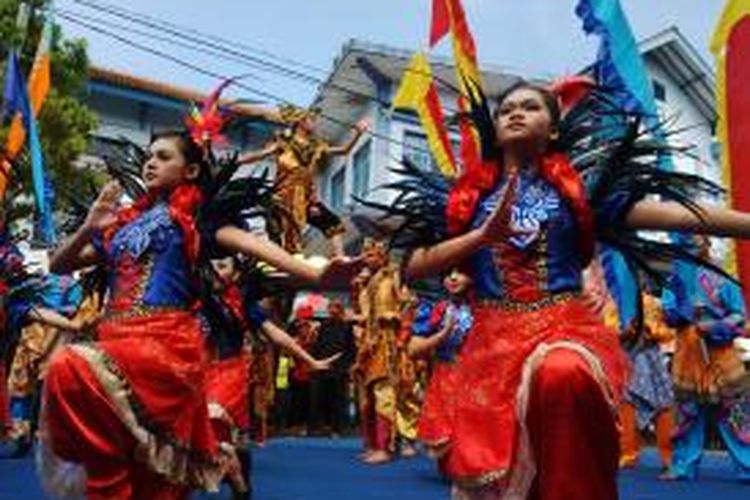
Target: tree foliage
[{"x": 65, "y": 122}]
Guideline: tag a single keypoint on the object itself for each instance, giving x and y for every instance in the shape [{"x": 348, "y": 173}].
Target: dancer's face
[
  {"x": 457, "y": 283},
  {"x": 225, "y": 269},
  {"x": 307, "y": 124},
  {"x": 523, "y": 120},
  {"x": 336, "y": 309},
  {"x": 375, "y": 258},
  {"x": 166, "y": 167}
]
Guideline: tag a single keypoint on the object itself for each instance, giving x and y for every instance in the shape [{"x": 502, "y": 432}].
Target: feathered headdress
[
  {"x": 291, "y": 114},
  {"x": 206, "y": 124},
  {"x": 571, "y": 90}
]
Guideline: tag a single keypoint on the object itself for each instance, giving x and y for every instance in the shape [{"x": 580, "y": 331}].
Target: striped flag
[
  {"x": 441, "y": 21},
  {"x": 730, "y": 46},
  {"x": 39, "y": 84},
  {"x": 418, "y": 92},
  {"x": 448, "y": 16},
  {"x": 26, "y": 103}
]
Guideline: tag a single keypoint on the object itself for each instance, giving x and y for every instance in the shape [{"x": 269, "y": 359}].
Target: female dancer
[
  {"x": 228, "y": 380},
  {"x": 441, "y": 330},
  {"x": 544, "y": 375},
  {"x": 299, "y": 153},
  {"x": 130, "y": 407}
]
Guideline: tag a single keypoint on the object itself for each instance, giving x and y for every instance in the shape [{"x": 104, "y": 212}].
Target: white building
[
  {"x": 365, "y": 77},
  {"x": 133, "y": 107}
]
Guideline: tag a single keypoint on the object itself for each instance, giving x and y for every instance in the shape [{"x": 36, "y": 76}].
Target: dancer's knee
[
  {"x": 563, "y": 373},
  {"x": 61, "y": 370}
]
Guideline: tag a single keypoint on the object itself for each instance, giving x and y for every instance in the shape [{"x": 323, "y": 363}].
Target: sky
[{"x": 533, "y": 38}]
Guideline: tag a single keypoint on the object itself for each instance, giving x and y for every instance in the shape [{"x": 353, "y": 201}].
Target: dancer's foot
[
  {"x": 408, "y": 451},
  {"x": 243, "y": 491},
  {"x": 366, "y": 453},
  {"x": 22, "y": 447},
  {"x": 378, "y": 457},
  {"x": 628, "y": 464},
  {"x": 670, "y": 475}
]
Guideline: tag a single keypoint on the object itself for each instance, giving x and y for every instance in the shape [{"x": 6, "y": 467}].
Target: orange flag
[{"x": 39, "y": 84}]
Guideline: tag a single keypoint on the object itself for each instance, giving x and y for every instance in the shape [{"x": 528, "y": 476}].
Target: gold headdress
[
  {"x": 371, "y": 244},
  {"x": 291, "y": 114}
]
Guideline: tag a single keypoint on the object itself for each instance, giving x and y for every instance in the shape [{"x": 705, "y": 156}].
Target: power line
[
  {"x": 261, "y": 62},
  {"x": 218, "y": 76},
  {"x": 180, "y": 32},
  {"x": 151, "y": 36}
]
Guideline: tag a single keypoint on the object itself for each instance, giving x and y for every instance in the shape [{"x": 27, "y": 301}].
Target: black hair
[{"x": 192, "y": 152}]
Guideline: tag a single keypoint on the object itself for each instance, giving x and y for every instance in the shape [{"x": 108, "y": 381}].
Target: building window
[
  {"x": 660, "y": 92},
  {"x": 337, "y": 189},
  {"x": 417, "y": 151},
  {"x": 361, "y": 168}
]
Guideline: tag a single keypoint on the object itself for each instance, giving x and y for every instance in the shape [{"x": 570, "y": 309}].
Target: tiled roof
[{"x": 121, "y": 79}]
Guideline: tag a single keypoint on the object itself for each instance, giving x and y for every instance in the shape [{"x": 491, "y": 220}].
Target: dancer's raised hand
[
  {"x": 324, "y": 364},
  {"x": 103, "y": 212},
  {"x": 498, "y": 224},
  {"x": 340, "y": 271}
]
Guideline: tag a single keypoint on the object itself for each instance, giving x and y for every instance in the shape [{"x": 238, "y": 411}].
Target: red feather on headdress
[
  {"x": 571, "y": 90},
  {"x": 205, "y": 124}
]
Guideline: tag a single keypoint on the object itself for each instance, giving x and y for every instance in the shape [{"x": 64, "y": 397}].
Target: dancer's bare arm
[
  {"x": 287, "y": 342},
  {"x": 671, "y": 216},
  {"x": 419, "y": 346},
  {"x": 357, "y": 131},
  {"x": 427, "y": 261},
  {"x": 256, "y": 156},
  {"x": 339, "y": 271},
  {"x": 78, "y": 252}
]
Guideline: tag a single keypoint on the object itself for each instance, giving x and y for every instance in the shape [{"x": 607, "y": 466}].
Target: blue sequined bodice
[
  {"x": 540, "y": 258},
  {"x": 148, "y": 262}
]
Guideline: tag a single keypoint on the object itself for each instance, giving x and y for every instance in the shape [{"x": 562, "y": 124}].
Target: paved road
[{"x": 318, "y": 469}]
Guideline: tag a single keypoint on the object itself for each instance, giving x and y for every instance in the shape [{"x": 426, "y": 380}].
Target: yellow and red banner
[
  {"x": 448, "y": 16},
  {"x": 730, "y": 46},
  {"x": 418, "y": 92}
]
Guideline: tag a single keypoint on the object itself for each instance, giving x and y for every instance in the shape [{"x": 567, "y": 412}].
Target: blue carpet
[{"x": 318, "y": 469}]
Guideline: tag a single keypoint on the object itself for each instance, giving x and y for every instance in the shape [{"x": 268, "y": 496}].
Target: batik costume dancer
[
  {"x": 299, "y": 155},
  {"x": 649, "y": 398},
  {"x": 37, "y": 341},
  {"x": 130, "y": 407},
  {"x": 440, "y": 331},
  {"x": 228, "y": 380},
  {"x": 16, "y": 301},
  {"x": 709, "y": 313},
  {"x": 21, "y": 304},
  {"x": 526, "y": 223},
  {"x": 409, "y": 371},
  {"x": 376, "y": 369}
]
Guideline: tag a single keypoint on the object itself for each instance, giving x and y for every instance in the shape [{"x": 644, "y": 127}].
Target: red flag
[
  {"x": 729, "y": 45},
  {"x": 441, "y": 23}
]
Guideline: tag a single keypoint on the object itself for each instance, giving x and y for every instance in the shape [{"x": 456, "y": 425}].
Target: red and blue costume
[
  {"x": 131, "y": 406},
  {"x": 544, "y": 372},
  {"x": 435, "y": 417}
]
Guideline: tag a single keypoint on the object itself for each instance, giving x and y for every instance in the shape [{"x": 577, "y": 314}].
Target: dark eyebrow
[
  {"x": 530, "y": 100},
  {"x": 524, "y": 102}
]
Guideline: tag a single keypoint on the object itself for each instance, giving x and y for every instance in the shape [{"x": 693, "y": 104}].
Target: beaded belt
[
  {"x": 517, "y": 306},
  {"x": 141, "y": 311}
]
